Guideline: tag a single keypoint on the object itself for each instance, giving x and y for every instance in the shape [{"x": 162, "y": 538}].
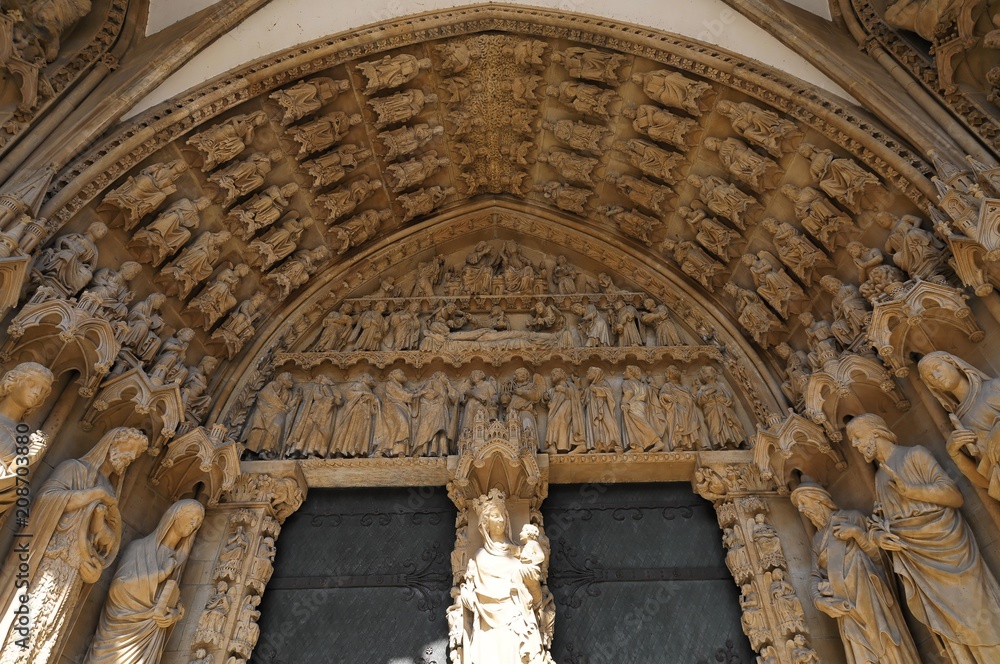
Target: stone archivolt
[{"x": 598, "y": 251}]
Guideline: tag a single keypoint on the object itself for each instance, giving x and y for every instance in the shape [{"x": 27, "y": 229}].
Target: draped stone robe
[
  {"x": 947, "y": 585},
  {"x": 853, "y": 588}
]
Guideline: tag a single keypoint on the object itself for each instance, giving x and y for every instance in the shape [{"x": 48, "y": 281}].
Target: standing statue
[
  {"x": 323, "y": 132},
  {"x": 659, "y": 318},
  {"x": 591, "y": 64},
  {"x": 296, "y": 270},
  {"x": 850, "y": 584},
  {"x": 399, "y": 107},
  {"x": 216, "y": 299},
  {"x": 725, "y": 431},
  {"x": 725, "y": 199},
  {"x": 851, "y": 312},
  {"x": 305, "y": 97},
  {"x": 143, "y": 599},
  {"x": 603, "y": 429},
  {"x": 392, "y": 426},
  {"x": 663, "y": 126},
  {"x": 434, "y": 428},
  {"x": 480, "y": 395},
  {"x": 685, "y": 423},
  {"x": 672, "y": 88},
  {"x": 145, "y": 192},
  {"x": 500, "y": 604},
  {"x": 795, "y": 251},
  {"x": 170, "y": 231},
  {"x": 641, "y": 414},
  {"x": 916, "y": 519},
  {"x": 972, "y": 399},
  {"x": 222, "y": 142},
  {"x": 521, "y": 395},
  {"x": 914, "y": 250},
  {"x": 260, "y": 211},
  {"x": 309, "y": 432},
  {"x": 346, "y": 199},
  {"x": 566, "y": 428},
  {"x": 242, "y": 177},
  {"x": 279, "y": 242},
  {"x": 773, "y": 283},
  {"x": 22, "y": 390},
  {"x": 194, "y": 265},
  {"x": 195, "y": 398},
  {"x": 391, "y": 71},
  {"x": 355, "y": 424},
  {"x": 594, "y": 327},
  {"x": 266, "y": 429},
  {"x": 843, "y": 180},
  {"x": 76, "y": 531}
]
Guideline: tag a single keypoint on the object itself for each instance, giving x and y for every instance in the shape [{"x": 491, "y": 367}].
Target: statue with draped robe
[
  {"x": 76, "y": 531},
  {"x": 972, "y": 399},
  {"x": 503, "y": 612},
  {"x": 916, "y": 519},
  {"x": 143, "y": 600},
  {"x": 850, "y": 584}
]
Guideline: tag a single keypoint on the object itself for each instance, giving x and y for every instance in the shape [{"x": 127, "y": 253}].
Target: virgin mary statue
[
  {"x": 972, "y": 400},
  {"x": 142, "y": 601},
  {"x": 501, "y": 598}
]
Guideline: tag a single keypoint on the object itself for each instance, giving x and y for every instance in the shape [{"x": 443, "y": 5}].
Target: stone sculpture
[
  {"x": 195, "y": 264},
  {"x": 672, "y": 88},
  {"x": 355, "y": 422},
  {"x": 307, "y": 97},
  {"x": 581, "y": 136},
  {"x": 500, "y": 604},
  {"x": 323, "y": 132},
  {"x": 663, "y": 126},
  {"x": 406, "y": 140},
  {"x": 391, "y": 71},
  {"x": 685, "y": 425},
  {"x": 795, "y": 251},
  {"x": 23, "y": 389},
  {"x": 591, "y": 64},
  {"x": 227, "y": 140},
  {"x": 571, "y": 166},
  {"x": 850, "y": 584},
  {"x": 642, "y": 418},
  {"x": 916, "y": 519},
  {"x": 244, "y": 177},
  {"x": 403, "y": 175},
  {"x": 67, "y": 266},
  {"x": 601, "y": 405},
  {"x": 359, "y": 229},
  {"x": 725, "y": 431},
  {"x": 266, "y": 429},
  {"x": 333, "y": 166},
  {"x": 76, "y": 532},
  {"x": 972, "y": 399},
  {"x": 726, "y": 200},
  {"x": 346, "y": 199},
  {"x": 171, "y": 230},
  {"x": 279, "y": 242},
  {"x": 399, "y": 107},
  {"x": 710, "y": 233},
  {"x": 143, "y": 599},
  {"x": 144, "y": 193},
  {"x": 566, "y": 428},
  {"x": 309, "y": 432}
]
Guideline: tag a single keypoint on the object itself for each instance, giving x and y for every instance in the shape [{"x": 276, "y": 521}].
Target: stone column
[
  {"x": 230, "y": 565},
  {"x": 774, "y": 619}
]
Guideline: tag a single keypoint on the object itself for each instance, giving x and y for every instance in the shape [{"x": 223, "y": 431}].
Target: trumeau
[{"x": 284, "y": 23}]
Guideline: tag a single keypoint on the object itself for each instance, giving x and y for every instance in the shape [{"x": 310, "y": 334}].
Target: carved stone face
[
  {"x": 940, "y": 375},
  {"x": 31, "y": 390},
  {"x": 189, "y": 520},
  {"x": 522, "y": 375},
  {"x": 863, "y": 437},
  {"x": 496, "y": 526},
  {"x": 125, "y": 451}
]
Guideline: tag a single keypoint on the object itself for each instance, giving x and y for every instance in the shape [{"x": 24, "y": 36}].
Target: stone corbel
[
  {"x": 132, "y": 399},
  {"x": 236, "y": 548},
  {"x": 850, "y": 385},
  {"x": 200, "y": 456},
  {"x": 795, "y": 443},
  {"x": 63, "y": 335},
  {"x": 920, "y": 319}
]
